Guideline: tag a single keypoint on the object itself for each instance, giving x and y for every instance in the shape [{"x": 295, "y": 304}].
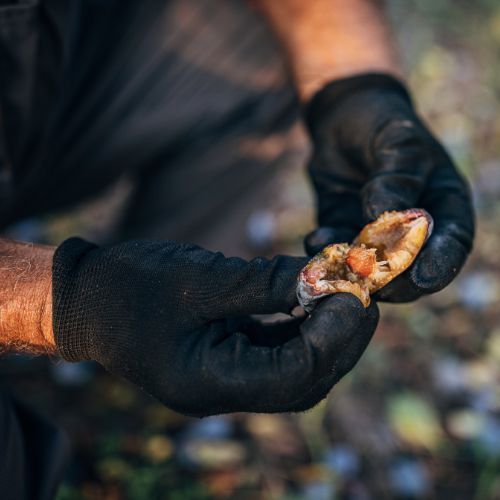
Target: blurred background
[{"x": 419, "y": 417}]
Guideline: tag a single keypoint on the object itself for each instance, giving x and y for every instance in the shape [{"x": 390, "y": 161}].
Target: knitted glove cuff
[
  {"x": 324, "y": 102},
  {"x": 71, "y": 332}
]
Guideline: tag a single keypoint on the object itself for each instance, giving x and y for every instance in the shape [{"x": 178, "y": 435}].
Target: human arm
[
  {"x": 371, "y": 150},
  {"x": 330, "y": 39},
  {"x": 173, "y": 319},
  {"x": 26, "y": 297}
]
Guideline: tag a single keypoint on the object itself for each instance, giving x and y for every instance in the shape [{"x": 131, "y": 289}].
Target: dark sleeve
[
  {"x": 33, "y": 452},
  {"x": 82, "y": 98}
]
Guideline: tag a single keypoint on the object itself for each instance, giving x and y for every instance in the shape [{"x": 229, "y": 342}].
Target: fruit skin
[{"x": 383, "y": 249}]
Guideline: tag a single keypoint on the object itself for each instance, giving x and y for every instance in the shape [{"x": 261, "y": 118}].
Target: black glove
[
  {"x": 372, "y": 153},
  {"x": 168, "y": 317}
]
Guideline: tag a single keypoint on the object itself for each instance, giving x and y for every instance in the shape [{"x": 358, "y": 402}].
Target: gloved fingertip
[
  {"x": 342, "y": 312},
  {"x": 438, "y": 264},
  {"x": 375, "y": 205},
  {"x": 340, "y": 301},
  {"x": 334, "y": 324},
  {"x": 385, "y": 193},
  {"x": 282, "y": 293},
  {"x": 348, "y": 305},
  {"x": 401, "y": 290},
  {"x": 316, "y": 240}
]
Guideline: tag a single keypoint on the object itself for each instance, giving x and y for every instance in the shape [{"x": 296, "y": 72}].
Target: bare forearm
[
  {"x": 26, "y": 297},
  {"x": 330, "y": 39}
]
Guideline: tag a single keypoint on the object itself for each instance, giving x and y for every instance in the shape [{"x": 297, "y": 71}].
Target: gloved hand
[
  {"x": 170, "y": 318},
  {"x": 372, "y": 153}
]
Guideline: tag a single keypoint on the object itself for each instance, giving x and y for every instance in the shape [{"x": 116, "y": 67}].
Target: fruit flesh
[{"x": 382, "y": 250}]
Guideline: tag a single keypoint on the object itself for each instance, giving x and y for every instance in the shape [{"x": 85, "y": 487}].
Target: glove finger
[
  {"x": 318, "y": 239},
  {"x": 245, "y": 377},
  {"x": 449, "y": 202},
  {"x": 344, "y": 364},
  {"x": 403, "y": 159},
  {"x": 336, "y": 345},
  {"x": 260, "y": 286},
  {"x": 312, "y": 363},
  {"x": 332, "y": 326}
]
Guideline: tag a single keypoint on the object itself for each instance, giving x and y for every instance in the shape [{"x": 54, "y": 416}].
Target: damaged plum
[{"x": 382, "y": 250}]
